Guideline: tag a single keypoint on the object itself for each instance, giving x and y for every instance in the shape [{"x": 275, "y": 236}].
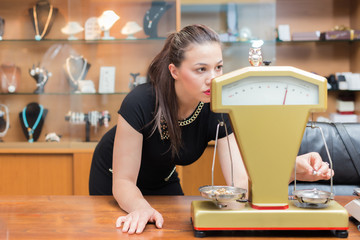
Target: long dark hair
[{"x": 166, "y": 106}]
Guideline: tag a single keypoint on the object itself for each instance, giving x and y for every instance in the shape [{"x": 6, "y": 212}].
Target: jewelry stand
[
  {"x": 4, "y": 121},
  {"x": 9, "y": 77},
  {"x": 152, "y": 17},
  {"x": 2, "y": 26},
  {"x": 106, "y": 21},
  {"x": 76, "y": 68},
  {"x": 92, "y": 118},
  {"x": 41, "y": 76},
  {"x": 33, "y": 115},
  {"x": 42, "y": 15},
  {"x": 71, "y": 29}
]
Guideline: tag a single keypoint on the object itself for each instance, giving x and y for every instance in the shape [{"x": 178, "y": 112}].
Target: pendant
[
  {"x": 11, "y": 89},
  {"x": 37, "y": 37}
]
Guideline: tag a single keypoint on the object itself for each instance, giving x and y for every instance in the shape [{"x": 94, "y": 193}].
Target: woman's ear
[{"x": 173, "y": 71}]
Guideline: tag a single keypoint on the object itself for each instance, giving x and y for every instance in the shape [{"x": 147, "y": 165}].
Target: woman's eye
[
  {"x": 219, "y": 67},
  {"x": 201, "y": 69}
]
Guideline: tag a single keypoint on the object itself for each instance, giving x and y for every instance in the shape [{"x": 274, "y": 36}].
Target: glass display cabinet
[
  {"x": 77, "y": 59},
  {"x": 65, "y": 67},
  {"x": 239, "y": 23}
]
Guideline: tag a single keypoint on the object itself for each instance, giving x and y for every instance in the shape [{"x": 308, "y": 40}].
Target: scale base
[{"x": 207, "y": 218}]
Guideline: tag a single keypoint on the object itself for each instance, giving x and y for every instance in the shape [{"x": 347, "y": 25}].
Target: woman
[{"x": 168, "y": 122}]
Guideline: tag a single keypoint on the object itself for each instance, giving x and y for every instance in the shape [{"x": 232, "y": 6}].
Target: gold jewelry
[
  {"x": 38, "y": 37},
  {"x": 193, "y": 117},
  {"x": 164, "y": 132}
]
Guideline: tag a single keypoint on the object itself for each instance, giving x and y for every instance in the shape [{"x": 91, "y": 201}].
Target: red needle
[{"x": 285, "y": 95}]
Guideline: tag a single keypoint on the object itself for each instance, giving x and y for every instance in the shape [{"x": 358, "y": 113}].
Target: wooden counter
[
  {"x": 89, "y": 217},
  {"x": 45, "y": 168}
]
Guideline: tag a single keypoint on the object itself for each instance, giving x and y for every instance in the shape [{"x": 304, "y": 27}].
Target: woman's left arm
[{"x": 239, "y": 172}]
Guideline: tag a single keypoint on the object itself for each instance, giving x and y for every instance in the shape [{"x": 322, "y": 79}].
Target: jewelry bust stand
[
  {"x": 41, "y": 76},
  {"x": 10, "y": 77},
  {"x": 32, "y": 119},
  {"x": 152, "y": 17},
  {"x": 42, "y": 15},
  {"x": 130, "y": 29},
  {"x": 2, "y": 26},
  {"x": 106, "y": 21},
  {"x": 71, "y": 29},
  {"x": 4, "y": 120},
  {"x": 76, "y": 68}
]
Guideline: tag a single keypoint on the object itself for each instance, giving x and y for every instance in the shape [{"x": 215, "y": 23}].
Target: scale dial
[{"x": 270, "y": 90}]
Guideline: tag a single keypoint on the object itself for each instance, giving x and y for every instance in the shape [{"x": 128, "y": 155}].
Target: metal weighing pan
[
  {"x": 221, "y": 195},
  {"x": 315, "y": 198}
]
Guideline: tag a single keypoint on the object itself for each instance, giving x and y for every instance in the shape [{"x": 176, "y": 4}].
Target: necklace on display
[
  {"x": 82, "y": 72},
  {"x": 7, "y": 121},
  {"x": 32, "y": 129},
  {"x": 11, "y": 85},
  {"x": 38, "y": 37},
  {"x": 154, "y": 18}
]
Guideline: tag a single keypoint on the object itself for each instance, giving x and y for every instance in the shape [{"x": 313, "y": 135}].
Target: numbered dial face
[{"x": 270, "y": 90}]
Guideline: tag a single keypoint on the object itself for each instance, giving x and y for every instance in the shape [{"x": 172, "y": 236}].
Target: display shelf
[
  {"x": 127, "y": 56},
  {"x": 61, "y": 93},
  {"x": 317, "y": 41},
  {"x": 235, "y": 21},
  {"x": 83, "y": 41},
  {"x": 323, "y": 57}
]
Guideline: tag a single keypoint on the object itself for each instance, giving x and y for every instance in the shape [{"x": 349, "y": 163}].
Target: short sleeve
[{"x": 137, "y": 107}]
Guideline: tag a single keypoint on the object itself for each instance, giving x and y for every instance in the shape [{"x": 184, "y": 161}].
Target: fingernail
[{"x": 160, "y": 225}]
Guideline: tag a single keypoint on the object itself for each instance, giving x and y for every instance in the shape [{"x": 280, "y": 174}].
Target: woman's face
[{"x": 193, "y": 77}]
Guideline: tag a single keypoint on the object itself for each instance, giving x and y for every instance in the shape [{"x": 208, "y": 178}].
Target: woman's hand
[
  {"x": 310, "y": 167},
  {"x": 136, "y": 221}
]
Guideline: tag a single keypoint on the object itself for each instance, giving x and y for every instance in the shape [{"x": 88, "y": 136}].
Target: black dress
[{"x": 156, "y": 161}]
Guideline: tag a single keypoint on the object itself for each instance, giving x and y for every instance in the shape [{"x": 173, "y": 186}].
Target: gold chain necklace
[
  {"x": 38, "y": 37},
  {"x": 193, "y": 117},
  {"x": 164, "y": 132}
]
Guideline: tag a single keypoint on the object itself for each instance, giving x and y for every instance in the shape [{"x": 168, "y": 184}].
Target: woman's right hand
[{"x": 136, "y": 221}]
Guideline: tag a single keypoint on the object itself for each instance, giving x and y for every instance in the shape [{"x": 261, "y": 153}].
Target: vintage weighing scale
[{"x": 269, "y": 107}]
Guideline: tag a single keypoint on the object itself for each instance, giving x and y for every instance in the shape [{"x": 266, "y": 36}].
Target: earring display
[
  {"x": 130, "y": 29},
  {"x": 71, "y": 29},
  {"x": 41, "y": 76},
  {"x": 76, "y": 68},
  {"x": 10, "y": 77},
  {"x": 92, "y": 29},
  {"x": 92, "y": 118},
  {"x": 106, "y": 21},
  {"x": 107, "y": 80},
  {"x": 152, "y": 17},
  {"x": 4, "y": 120},
  {"x": 32, "y": 119},
  {"x": 2, "y": 27},
  {"x": 43, "y": 14}
]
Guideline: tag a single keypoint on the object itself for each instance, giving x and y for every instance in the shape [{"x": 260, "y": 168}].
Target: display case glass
[
  {"x": 77, "y": 59},
  {"x": 239, "y": 23}
]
